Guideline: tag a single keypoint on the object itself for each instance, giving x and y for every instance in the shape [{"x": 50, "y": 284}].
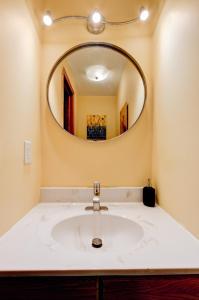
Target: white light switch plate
[{"x": 27, "y": 152}]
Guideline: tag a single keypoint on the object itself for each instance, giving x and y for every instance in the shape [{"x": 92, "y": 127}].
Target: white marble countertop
[{"x": 166, "y": 248}]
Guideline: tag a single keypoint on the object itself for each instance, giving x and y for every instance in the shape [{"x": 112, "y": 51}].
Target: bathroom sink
[{"x": 116, "y": 233}]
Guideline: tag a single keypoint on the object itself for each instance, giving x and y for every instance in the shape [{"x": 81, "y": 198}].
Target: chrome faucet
[
  {"x": 96, "y": 199},
  {"x": 96, "y": 188}
]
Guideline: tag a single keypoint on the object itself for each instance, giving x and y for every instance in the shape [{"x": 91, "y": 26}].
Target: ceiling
[
  {"x": 79, "y": 62},
  {"x": 113, "y": 10}
]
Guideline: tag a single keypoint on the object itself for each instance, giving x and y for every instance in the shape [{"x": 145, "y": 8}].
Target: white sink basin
[{"x": 117, "y": 233}]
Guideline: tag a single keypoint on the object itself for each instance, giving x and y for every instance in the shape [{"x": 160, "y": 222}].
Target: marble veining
[
  {"x": 29, "y": 245},
  {"x": 81, "y": 194}
]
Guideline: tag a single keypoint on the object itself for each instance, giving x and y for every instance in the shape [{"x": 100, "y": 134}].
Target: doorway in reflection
[{"x": 68, "y": 105}]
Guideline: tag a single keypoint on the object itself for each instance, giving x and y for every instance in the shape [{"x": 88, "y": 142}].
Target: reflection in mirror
[{"x": 96, "y": 92}]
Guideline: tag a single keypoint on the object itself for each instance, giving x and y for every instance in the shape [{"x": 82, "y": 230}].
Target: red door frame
[{"x": 68, "y": 104}]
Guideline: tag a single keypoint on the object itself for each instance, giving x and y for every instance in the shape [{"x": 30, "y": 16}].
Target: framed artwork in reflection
[
  {"x": 96, "y": 127},
  {"x": 124, "y": 118}
]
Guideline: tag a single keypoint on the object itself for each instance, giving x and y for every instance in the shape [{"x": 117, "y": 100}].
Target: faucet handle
[{"x": 96, "y": 188}]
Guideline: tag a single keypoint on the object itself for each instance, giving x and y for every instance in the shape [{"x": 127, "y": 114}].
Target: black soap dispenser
[{"x": 149, "y": 195}]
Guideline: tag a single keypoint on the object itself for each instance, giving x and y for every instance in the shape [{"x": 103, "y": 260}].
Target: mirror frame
[{"x": 105, "y": 45}]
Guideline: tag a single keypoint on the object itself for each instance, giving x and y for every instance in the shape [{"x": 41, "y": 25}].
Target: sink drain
[{"x": 97, "y": 243}]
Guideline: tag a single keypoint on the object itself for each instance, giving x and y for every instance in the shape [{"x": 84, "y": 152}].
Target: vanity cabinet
[
  {"x": 179, "y": 287},
  {"x": 48, "y": 288},
  {"x": 167, "y": 287}
]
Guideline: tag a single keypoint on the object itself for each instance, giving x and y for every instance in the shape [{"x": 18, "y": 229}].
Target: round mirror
[{"x": 96, "y": 91}]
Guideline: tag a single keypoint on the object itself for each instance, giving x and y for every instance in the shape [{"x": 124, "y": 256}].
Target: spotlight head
[
  {"x": 47, "y": 19},
  {"x": 96, "y": 17},
  {"x": 144, "y": 14},
  {"x": 95, "y": 22}
]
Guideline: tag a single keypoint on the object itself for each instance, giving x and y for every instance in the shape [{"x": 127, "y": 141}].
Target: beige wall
[
  {"x": 20, "y": 111},
  {"x": 96, "y": 105},
  {"x": 176, "y": 111},
  {"x": 69, "y": 161}
]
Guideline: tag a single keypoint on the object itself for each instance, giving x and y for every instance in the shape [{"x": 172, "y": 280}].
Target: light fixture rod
[
  {"x": 122, "y": 22},
  {"x": 69, "y": 17},
  {"x": 105, "y": 21}
]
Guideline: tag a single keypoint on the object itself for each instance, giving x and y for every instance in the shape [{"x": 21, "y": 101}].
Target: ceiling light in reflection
[{"x": 97, "y": 73}]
